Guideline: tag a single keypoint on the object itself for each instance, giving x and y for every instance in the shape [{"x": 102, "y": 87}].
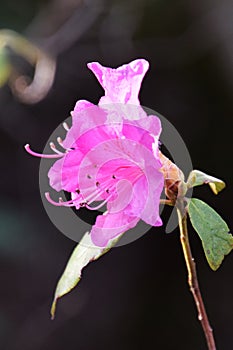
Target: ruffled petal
[
  {"x": 145, "y": 131},
  {"x": 146, "y": 197},
  {"x": 85, "y": 116},
  {"x": 121, "y": 85},
  {"x": 148, "y": 187},
  {"x": 110, "y": 226}
]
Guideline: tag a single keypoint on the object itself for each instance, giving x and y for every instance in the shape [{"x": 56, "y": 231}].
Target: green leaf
[
  {"x": 5, "y": 67},
  {"x": 83, "y": 253},
  {"x": 197, "y": 178},
  {"x": 212, "y": 230}
]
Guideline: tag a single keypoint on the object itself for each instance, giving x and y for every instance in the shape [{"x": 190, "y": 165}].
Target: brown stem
[{"x": 192, "y": 276}]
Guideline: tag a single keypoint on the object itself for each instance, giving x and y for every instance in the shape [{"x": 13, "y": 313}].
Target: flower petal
[
  {"x": 122, "y": 84},
  {"x": 154, "y": 181},
  {"x": 64, "y": 172},
  {"x": 76, "y": 114},
  {"x": 111, "y": 226},
  {"x": 146, "y": 131},
  {"x": 55, "y": 175},
  {"x": 148, "y": 187}
]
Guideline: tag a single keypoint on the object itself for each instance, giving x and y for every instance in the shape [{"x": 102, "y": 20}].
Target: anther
[
  {"x": 60, "y": 142},
  {"x": 60, "y": 202},
  {"x": 65, "y": 126},
  {"x": 53, "y": 148}
]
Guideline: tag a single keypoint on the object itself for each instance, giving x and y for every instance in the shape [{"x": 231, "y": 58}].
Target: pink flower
[{"x": 111, "y": 155}]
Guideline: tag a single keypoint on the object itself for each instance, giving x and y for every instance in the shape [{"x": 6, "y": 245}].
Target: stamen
[
  {"x": 61, "y": 203},
  {"x": 94, "y": 195},
  {"x": 100, "y": 205},
  {"x": 54, "y": 149},
  {"x": 65, "y": 126},
  {"x": 41, "y": 155},
  {"x": 50, "y": 200},
  {"x": 60, "y": 142}
]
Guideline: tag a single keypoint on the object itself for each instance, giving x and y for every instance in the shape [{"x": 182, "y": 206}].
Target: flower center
[{"x": 106, "y": 186}]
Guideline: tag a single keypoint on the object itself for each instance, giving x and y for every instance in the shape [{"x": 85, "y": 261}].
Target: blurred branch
[
  {"x": 45, "y": 68},
  {"x": 73, "y": 21},
  {"x": 63, "y": 22},
  {"x": 34, "y": 91}
]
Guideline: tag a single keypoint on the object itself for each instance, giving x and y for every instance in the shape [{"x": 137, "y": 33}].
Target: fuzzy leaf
[
  {"x": 83, "y": 253},
  {"x": 197, "y": 178},
  {"x": 212, "y": 230}
]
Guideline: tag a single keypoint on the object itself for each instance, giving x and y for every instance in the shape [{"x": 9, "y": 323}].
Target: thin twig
[{"x": 192, "y": 275}]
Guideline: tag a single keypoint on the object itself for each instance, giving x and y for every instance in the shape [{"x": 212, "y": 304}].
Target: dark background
[{"x": 136, "y": 296}]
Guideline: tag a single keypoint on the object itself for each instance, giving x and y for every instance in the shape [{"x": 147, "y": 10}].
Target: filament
[
  {"x": 61, "y": 203},
  {"x": 53, "y": 148},
  {"x": 41, "y": 155},
  {"x": 60, "y": 142},
  {"x": 98, "y": 192},
  {"x": 100, "y": 205}
]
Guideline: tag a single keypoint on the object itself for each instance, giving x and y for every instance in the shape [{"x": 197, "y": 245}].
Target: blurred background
[{"x": 136, "y": 296}]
